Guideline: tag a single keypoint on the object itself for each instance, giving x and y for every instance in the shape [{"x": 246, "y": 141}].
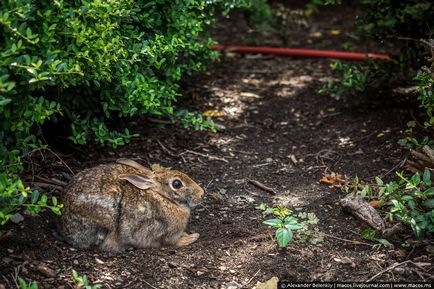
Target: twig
[
  {"x": 149, "y": 284},
  {"x": 47, "y": 185},
  {"x": 51, "y": 181},
  {"x": 387, "y": 269},
  {"x": 210, "y": 182},
  {"x": 251, "y": 279},
  {"x": 262, "y": 186},
  {"x": 210, "y": 157},
  {"x": 261, "y": 165},
  {"x": 166, "y": 150},
  {"x": 395, "y": 167},
  {"x": 60, "y": 159},
  {"x": 354, "y": 242},
  {"x": 15, "y": 275},
  {"x": 161, "y": 121}
]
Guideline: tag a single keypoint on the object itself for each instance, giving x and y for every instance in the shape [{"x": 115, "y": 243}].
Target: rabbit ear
[
  {"x": 140, "y": 182},
  {"x": 133, "y": 164}
]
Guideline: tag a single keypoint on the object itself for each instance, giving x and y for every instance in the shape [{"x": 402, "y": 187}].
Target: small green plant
[
  {"x": 371, "y": 235},
  {"x": 83, "y": 282},
  {"x": 23, "y": 285},
  {"x": 285, "y": 223},
  {"x": 310, "y": 232}
]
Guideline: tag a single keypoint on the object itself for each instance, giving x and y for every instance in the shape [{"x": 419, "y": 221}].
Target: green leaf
[
  {"x": 385, "y": 243},
  {"x": 5, "y": 101},
  {"x": 261, "y": 207},
  {"x": 276, "y": 223},
  {"x": 35, "y": 196},
  {"x": 415, "y": 179},
  {"x": 429, "y": 204},
  {"x": 54, "y": 200},
  {"x": 283, "y": 236},
  {"x": 379, "y": 181},
  {"x": 368, "y": 234},
  {"x": 416, "y": 229},
  {"x": 427, "y": 177}
]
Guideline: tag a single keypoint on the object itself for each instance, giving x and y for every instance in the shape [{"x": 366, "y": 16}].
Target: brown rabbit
[{"x": 123, "y": 204}]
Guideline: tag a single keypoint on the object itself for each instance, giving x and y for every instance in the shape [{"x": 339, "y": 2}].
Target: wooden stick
[
  {"x": 166, "y": 150},
  {"x": 47, "y": 186},
  {"x": 251, "y": 279},
  {"x": 387, "y": 269},
  {"x": 149, "y": 284},
  {"x": 52, "y": 181},
  {"x": 210, "y": 157},
  {"x": 262, "y": 186},
  {"x": 354, "y": 242}
]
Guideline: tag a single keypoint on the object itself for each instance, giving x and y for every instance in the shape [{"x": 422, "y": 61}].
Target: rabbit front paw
[
  {"x": 111, "y": 244},
  {"x": 187, "y": 239}
]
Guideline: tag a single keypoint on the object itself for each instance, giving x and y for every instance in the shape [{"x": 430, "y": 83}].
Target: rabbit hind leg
[{"x": 82, "y": 234}]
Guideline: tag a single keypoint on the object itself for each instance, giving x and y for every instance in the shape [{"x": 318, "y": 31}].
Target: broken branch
[{"x": 262, "y": 186}]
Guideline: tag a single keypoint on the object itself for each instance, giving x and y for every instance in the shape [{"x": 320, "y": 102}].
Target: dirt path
[{"x": 272, "y": 115}]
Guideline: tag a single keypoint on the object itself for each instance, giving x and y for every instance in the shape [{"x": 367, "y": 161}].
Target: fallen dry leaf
[
  {"x": 333, "y": 179},
  {"x": 335, "y": 32},
  {"x": 316, "y": 34},
  {"x": 374, "y": 203},
  {"x": 213, "y": 113}
]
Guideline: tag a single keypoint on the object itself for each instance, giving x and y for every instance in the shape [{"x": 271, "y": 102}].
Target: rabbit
[{"x": 118, "y": 205}]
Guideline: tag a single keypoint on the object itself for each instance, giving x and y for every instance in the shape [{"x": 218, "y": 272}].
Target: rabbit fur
[{"x": 114, "y": 206}]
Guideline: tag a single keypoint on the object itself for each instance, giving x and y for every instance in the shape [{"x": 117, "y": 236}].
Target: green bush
[
  {"x": 355, "y": 78},
  {"x": 426, "y": 96},
  {"x": 398, "y": 23},
  {"x": 409, "y": 200},
  {"x": 90, "y": 61}
]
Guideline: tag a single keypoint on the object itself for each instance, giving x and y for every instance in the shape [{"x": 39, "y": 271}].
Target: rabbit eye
[{"x": 177, "y": 184}]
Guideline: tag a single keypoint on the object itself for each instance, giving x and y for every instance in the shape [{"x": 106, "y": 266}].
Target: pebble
[
  {"x": 17, "y": 218},
  {"x": 75, "y": 262},
  {"x": 99, "y": 261},
  {"x": 199, "y": 273},
  {"x": 222, "y": 268},
  {"x": 233, "y": 285}
]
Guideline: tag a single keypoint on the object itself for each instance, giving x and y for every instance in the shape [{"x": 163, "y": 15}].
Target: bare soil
[{"x": 272, "y": 115}]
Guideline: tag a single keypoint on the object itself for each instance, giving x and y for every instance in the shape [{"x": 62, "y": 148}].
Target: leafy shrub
[
  {"x": 426, "y": 95},
  {"x": 409, "y": 200},
  {"x": 88, "y": 62},
  {"x": 401, "y": 23},
  {"x": 388, "y": 19},
  {"x": 355, "y": 78}
]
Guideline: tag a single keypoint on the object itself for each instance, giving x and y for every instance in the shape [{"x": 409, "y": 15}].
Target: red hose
[{"x": 300, "y": 52}]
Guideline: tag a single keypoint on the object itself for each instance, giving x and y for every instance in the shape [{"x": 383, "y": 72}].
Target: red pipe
[{"x": 300, "y": 52}]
